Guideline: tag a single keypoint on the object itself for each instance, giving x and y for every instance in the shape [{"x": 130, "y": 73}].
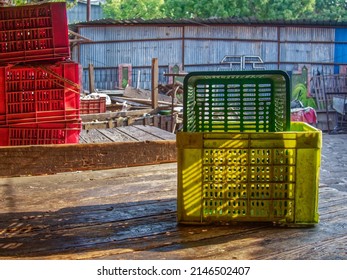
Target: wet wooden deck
[{"x": 130, "y": 213}]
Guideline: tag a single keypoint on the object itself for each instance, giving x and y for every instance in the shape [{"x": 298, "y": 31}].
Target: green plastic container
[{"x": 240, "y": 101}]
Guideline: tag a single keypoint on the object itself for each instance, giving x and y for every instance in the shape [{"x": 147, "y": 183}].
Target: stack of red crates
[{"x": 39, "y": 86}]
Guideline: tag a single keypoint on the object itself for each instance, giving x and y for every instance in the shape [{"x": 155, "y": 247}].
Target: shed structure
[{"x": 126, "y": 47}]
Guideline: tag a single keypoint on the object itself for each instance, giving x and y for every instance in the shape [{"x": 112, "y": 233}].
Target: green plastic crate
[
  {"x": 253, "y": 101},
  {"x": 257, "y": 176}
]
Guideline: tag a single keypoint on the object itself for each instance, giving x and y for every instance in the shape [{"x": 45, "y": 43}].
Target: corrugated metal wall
[
  {"x": 340, "y": 47},
  {"x": 282, "y": 47},
  {"x": 121, "y": 33},
  {"x": 78, "y": 13},
  {"x": 136, "y": 53}
]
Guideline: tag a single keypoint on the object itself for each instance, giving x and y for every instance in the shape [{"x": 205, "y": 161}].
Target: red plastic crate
[
  {"x": 93, "y": 106},
  {"x": 30, "y": 91},
  {"x": 40, "y": 134},
  {"x": 34, "y": 33},
  {"x": 40, "y": 117}
]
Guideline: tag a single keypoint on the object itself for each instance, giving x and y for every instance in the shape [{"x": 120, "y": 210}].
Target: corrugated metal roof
[{"x": 212, "y": 21}]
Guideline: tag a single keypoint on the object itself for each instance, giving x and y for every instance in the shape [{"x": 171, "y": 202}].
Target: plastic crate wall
[
  {"x": 93, "y": 106},
  {"x": 31, "y": 93},
  {"x": 41, "y": 134},
  {"x": 236, "y": 101},
  {"x": 34, "y": 33},
  {"x": 266, "y": 176}
]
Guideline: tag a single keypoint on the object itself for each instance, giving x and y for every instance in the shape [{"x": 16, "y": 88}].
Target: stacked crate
[
  {"x": 93, "y": 106},
  {"x": 39, "y": 86},
  {"x": 239, "y": 157},
  {"x": 34, "y": 33}
]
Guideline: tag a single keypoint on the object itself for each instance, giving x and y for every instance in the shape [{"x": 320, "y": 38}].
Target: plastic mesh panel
[
  {"x": 255, "y": 101},
  {"x": 255, "y": 183}
]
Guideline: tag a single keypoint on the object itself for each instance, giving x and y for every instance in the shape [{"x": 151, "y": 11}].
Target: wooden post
[
  {"x": 91, "y": 78},
  {"x": 89, "y": 9},
  {"x": 173, "y": 109},
  {"x": 155, "y": 78}
]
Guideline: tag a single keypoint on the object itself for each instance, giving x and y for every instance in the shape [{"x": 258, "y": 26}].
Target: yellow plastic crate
[{"x": 256, "y": 176}]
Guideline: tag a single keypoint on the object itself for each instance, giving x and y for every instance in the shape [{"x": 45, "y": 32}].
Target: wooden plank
[
  {"x": 48, "y": 159},
  {"x": 144, "y": 95},
  {"x": 111, "y": 115},
  {"x": 156, "y": 236},
  {"x": 156, "y": 120},
  {"x": 147, "y": 229},
  {"x": 154, "y": 82},
  {"x": 91, "y": 78},
  {"x": 141, "y": 101},
  {"x": 136, "y": 133},
  {"x": 163, "y": 123},
  {"x": 82, "y": 139},
  {"x": 125, "y": 134},
  {"x": 93, "y": 136},
  {"x": 162, "y": 134},
  {"x": 96, "y": 187},
  {"x": 115, "y": 135}
]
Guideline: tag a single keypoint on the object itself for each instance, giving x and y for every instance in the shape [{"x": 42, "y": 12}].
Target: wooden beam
[
  {"x": 155, "y": 78},
  {"x": 89, "y": 9},
  {"x": 113, "y": 115},
  {"x": 91, "y": 78},
  {"x": 51, "y": 159},
  {"x": 146, "y": 101},
  {"x": 80, "y": 37}
]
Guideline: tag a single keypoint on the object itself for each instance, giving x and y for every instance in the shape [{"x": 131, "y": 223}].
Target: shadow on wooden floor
[{"x": 148, "y": 230}]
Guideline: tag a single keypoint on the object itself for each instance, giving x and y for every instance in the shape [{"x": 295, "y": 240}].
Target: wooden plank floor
[
  {"x": 125, "y": 134},
  {"x": 130, "y": 213}
]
